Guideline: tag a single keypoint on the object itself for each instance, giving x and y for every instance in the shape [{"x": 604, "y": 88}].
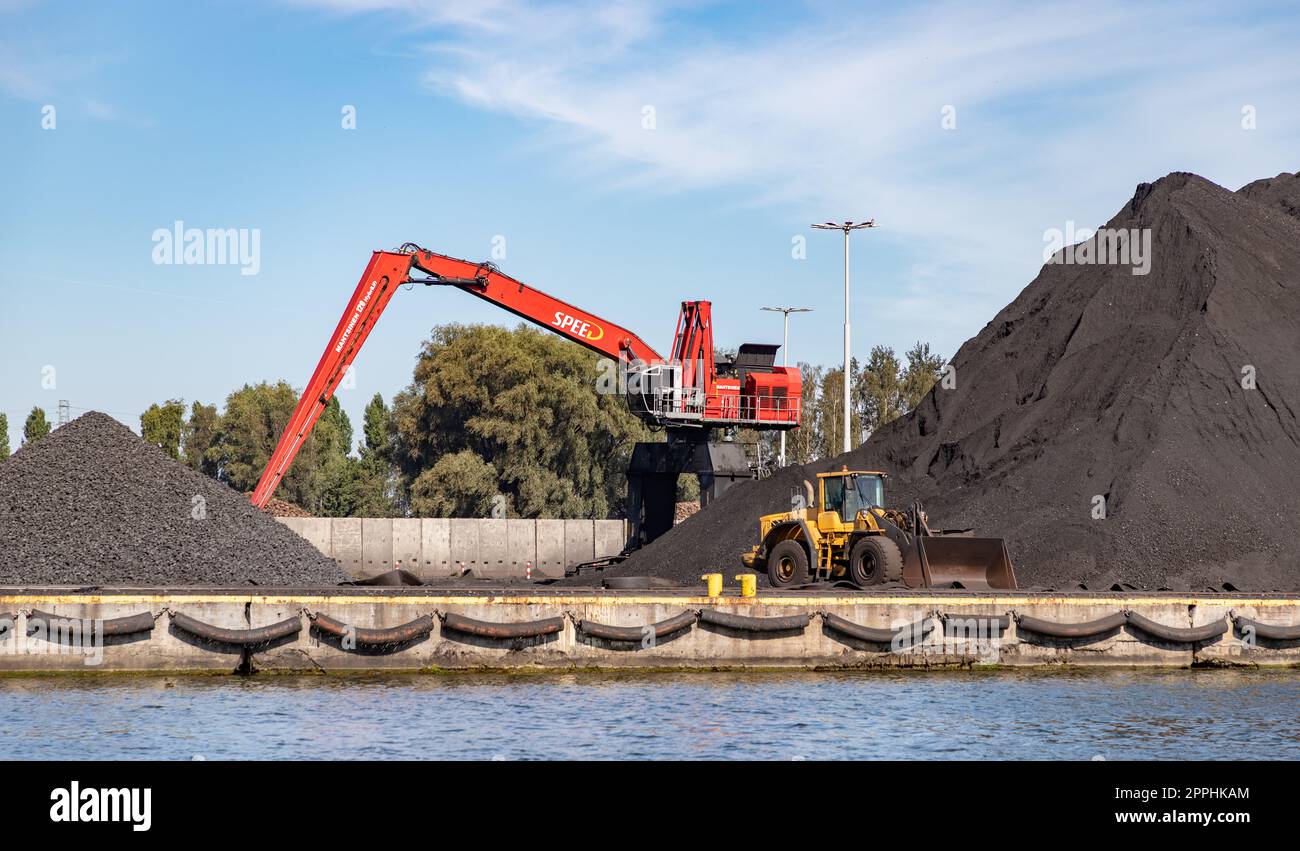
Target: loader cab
[{"x": 845, "y": 493}]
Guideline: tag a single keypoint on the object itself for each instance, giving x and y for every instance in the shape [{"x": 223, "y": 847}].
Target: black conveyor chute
[
  {"x": 638, "y": 633},
  {"x": 492, "y": 629},
  {"x": 374, "y": 637},
  {"x": 876, "y": 635},
  {"x": 1269, "y": 631},
  {"x": 1085, "y": 629},
  {"x": 1178, "y": 635},
  {"x": 748, "y": 624},
  {"x": 129, "y": 625},
  {"x": 237, "y": 637}
]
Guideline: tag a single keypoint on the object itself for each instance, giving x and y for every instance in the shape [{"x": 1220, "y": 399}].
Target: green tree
[
  {"x": 879, "y": 389},
  {"x": 348, "y": 486},
  {"x": 249, "y": 429},
  {"x": 352, "y": 487},
  {"x": 376, "y": 429},
  {"x": 336, "y": 485},
  {"x": 923, "y": 369},
  {"x": 35, "y": 427},
  {"x": 830, "y": 413},
  {"x": 806, "y": 443},
  {"x": 369, "y": 489},
  {"x": 246, "y": 435},
  {"x": 885, "y": 389},
  {"x": 333, "y": 432},
  {"x": 161, "y": 426},
  {"x": 460, "y": 484},
  {"x": 4, "y": 436},
  {"x": 522, "y": 402},
  {"x": 688, "y": 488},
  {"x": 197, "y": 438}
]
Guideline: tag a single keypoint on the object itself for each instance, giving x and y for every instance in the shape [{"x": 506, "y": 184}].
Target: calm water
[{"x": 1005, "y": 715}]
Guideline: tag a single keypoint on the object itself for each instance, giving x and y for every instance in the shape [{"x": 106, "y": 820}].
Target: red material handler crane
[{"x": 689, "y": 393}]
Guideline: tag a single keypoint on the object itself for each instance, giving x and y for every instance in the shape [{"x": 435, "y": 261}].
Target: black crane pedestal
[{"x": 652, "y": 480}]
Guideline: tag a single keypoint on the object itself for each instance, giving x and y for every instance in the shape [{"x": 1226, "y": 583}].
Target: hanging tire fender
[
  {"x": 237, "y": 637},
  {"x": 495, "y": 629},
  {"x": 373, "y": 637},
  {"x": 129, "y": 625},
  {"x": 1084, "y": 629},
  {"x": 638, "y": 633},
  {"x": 1178, "y": 635},
  {"x": 878, "y": 635},
  {"x": 749, "y": 624},
  {"x": 1269, "y": 631}
]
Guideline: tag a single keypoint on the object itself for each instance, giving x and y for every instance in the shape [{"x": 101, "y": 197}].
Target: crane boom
[
  {"x": 385, "y": 272},
  {"x": 389, "y": 269},
  {"x": 578, "y": 325},
  {"x": 687, "y": 391}
]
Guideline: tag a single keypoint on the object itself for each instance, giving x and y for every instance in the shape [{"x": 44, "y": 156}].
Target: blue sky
[{"x": 526, "y": 120}]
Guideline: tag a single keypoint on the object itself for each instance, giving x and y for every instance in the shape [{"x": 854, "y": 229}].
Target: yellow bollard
[
  {"x": 715, "y": 583},
  {"x": 748, "y": 584}
]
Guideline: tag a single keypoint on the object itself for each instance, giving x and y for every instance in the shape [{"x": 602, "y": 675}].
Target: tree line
[
  {"x": 493, "y": 418},
  {"x": 35, "y": 427},
  {"x": 881, "y": 390}
]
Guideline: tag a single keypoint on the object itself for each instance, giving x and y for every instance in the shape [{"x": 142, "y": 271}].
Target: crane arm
[
  {"x": 388, "y": 270},
  {"x": 486, "y": 282}
]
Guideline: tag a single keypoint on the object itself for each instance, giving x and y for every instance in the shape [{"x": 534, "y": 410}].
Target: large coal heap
[
  {"x": 93, "y": 504},
  {"x": 1097, "y": 386}
]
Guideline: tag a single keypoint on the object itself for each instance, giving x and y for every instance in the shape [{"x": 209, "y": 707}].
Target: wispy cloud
[
  {"x": 54, "y": 77},
  {"x": 837, "y": 110},
  {"x": 43, "y": 70},
  {"x": 23, "y": 77}
]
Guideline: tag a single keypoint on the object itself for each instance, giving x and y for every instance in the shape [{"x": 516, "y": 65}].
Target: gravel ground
[{"x": 93, "y": 504}]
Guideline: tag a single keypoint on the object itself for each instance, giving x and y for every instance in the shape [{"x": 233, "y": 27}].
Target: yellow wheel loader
[{"x": 840, "y": 531}]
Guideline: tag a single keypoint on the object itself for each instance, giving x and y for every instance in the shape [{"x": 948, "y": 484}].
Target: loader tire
[
  {"x": 873, "y": 560},
  {"x": 787, "y": 565}
]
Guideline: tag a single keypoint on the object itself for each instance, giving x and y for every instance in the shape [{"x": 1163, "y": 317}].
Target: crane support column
[{"x": 655, "y": 468}]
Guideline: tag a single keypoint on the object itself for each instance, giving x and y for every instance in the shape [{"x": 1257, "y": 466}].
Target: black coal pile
[
  {"x": 93, "y": 504},
  {"x": 1113, "y": 427}
]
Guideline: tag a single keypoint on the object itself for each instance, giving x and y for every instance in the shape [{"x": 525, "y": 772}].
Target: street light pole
[
  {"x": 846, "y": 227},
  {"x": 785, "y": 351}
]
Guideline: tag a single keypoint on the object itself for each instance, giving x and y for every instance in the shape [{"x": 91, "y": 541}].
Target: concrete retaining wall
[
  {"x": 698, "y": 646},
  {"x": 436, "y": 548}
]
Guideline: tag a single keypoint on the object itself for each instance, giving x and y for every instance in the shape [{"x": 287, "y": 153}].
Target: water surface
[{"x": 870, "y": 715}]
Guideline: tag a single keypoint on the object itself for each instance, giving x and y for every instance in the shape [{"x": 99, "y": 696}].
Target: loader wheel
[
  {"x": 787, "y": 565},
  {"x": 873, "y": 560}
]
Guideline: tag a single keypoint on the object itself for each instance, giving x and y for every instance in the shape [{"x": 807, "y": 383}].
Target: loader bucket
[{"x": 978, "y": 564}]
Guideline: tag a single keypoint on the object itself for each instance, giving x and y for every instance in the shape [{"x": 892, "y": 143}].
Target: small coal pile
[
  {"x": 92, "y": 504},
  {"x": 1168, "y": 401},
  {"x": 282, "y": 508},
  {"x": 712, "y": 539}
]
